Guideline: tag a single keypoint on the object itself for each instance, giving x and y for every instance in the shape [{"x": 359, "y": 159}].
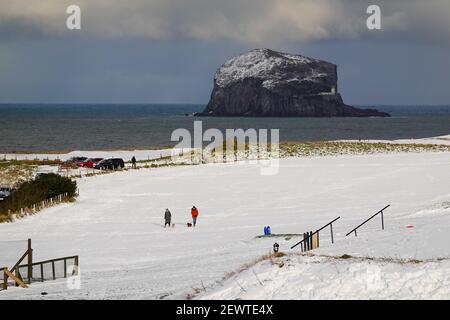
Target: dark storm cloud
[
  {"x": 249, "y": 21},
  {"x": 167, "y": 50}
]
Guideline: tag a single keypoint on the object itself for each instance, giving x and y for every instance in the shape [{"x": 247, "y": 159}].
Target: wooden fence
[
  {"x": 14, "y": 271},
  {"x": 62, "y": 198},
  {"x": 24, "y": 274}
]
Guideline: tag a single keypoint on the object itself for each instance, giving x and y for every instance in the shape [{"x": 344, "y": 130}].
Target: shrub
[{"x": 42, "y": 188}]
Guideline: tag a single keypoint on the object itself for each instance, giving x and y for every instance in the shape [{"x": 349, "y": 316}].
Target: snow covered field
[
  {"x": 116, "y": 227},
  {"x": 440, "y": 140}
]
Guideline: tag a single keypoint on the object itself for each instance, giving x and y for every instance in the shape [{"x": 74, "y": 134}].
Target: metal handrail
[
  {"x": 50, "y": 261},
  {"x": 328, "y": 224},
  {"x": 382, "y": 221}
]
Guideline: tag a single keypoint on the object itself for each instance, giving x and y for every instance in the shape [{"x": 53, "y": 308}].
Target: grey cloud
[{"x": 246, "y": 21}]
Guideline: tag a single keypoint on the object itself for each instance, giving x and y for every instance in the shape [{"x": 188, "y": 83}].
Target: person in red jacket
[{"x": 194, "y": 213}]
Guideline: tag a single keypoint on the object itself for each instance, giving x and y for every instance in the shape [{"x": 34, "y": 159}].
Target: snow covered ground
[
  {"x": 318, "y": 277},
  {"x": 440, "y": 140},
  {"x": 116, "y": 227}
]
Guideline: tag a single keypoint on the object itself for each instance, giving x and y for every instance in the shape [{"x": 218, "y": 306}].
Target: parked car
[
  {"x": 5, "y": 192},
  {"x": 73, "y": 162},
  {"x": 111, "y": 164},
  {"x": 77, "y": 160},
  {"x": 38, "y": 175},
  {"x": 90, "y": 163}
]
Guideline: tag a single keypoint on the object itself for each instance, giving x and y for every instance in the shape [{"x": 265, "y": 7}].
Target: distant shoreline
[
  {"x": 58, "y": 129},
  {"x": 443, "y": 140}
]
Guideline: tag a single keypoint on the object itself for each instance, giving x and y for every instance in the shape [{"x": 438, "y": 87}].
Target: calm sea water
[{"x": 90, "y": 127}]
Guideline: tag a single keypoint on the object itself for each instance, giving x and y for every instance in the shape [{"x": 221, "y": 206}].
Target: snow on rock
[{"x": 260, "y": 63}]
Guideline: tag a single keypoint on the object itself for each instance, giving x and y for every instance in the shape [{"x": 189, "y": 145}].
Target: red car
[{"x": 90, "y": 163}]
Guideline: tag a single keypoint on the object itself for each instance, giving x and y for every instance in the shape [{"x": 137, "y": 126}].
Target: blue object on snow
[{"x": 267, "y": 231}]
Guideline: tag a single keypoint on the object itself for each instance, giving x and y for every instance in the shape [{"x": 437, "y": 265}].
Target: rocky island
[{"x": 266, "y": 83}]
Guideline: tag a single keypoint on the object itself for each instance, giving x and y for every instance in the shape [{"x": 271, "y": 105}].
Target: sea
[{"x": 69, "y": 127}]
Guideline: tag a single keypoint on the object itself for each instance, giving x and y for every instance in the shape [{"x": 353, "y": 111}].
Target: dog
[{"x": 189, "y": 225}]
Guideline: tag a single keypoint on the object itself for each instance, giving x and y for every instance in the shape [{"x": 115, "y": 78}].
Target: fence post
[
  {"x": 332, "y": 237},
  {"x": 310, "y": 240},
  {"x": 53, "y": 270},
  {"x": 304, "y": 242},
  {"x": 318, "y": 240},
  {"x": 382, "y": 220},
  {"x": 5, "y": 279},
  {"x": 307, "y": 241},
  {"x": 30, "y": 262}
]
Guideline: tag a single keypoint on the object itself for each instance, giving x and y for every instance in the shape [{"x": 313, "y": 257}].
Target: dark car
[
  {"x": 110, "y": 164},
  {"x": 77, "y": 160},
  {"x": 5, "y": 192},
  {"x": 73, "y": 162}
]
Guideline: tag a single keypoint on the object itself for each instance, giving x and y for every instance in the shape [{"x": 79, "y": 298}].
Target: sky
[{"x": 167, "y": 51}]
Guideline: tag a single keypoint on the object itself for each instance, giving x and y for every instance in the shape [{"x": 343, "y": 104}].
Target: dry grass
[
  {"x": 13, "y": 172},
  {"x": 374, "y": 259},
  {"x": 335, "y": 148}
]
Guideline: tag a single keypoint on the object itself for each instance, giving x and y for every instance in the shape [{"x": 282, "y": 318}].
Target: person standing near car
[
  {"x": 133, "y": 162},
  {"x": 167, "y": 218},
  {"x": 194, "y": 214}
]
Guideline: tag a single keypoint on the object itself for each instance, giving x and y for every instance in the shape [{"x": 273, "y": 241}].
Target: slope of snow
[
  {"x": 116, "y": 225},
  {"x": 298, "y": 277}
]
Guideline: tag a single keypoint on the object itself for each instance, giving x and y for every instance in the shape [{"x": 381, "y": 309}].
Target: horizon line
[{"x": 193, "y": 104}]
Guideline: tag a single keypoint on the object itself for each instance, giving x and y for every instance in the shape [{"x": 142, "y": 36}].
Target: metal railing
[
  {"x": 14, "y": 271},
  {"x": 25, "y": 271},
  {"x": 311, "y": 234},
  {"x": 382, "y": 221},
  {"x": 51, "y": 269}
]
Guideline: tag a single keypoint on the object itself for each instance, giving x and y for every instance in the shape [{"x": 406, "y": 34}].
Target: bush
[{"x": 42, "y": 188}]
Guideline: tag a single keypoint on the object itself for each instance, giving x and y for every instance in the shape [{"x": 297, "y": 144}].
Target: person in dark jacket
[
  {"x": 167, "y": 218},
  {"x": 133, "y": 162}
]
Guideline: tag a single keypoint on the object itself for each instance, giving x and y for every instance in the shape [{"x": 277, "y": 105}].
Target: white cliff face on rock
[{"x": 261, "y": 63}]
